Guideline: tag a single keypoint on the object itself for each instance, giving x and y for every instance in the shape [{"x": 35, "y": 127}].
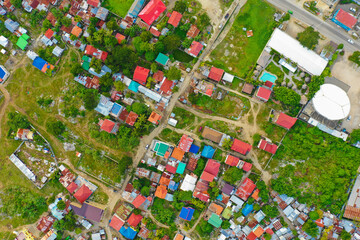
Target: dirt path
[{"x": 3, "y": 107}]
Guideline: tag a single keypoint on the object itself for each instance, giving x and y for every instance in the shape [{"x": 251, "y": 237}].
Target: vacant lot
[
  {"x": 119, "y": 7},
  {"x": 237, "y": 53}
]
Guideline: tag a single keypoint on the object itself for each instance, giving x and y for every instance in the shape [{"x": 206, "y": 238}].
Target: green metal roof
[
  {"x": 21, "y": 43},
  {"x": 86, "y": 66},
  {"x": 25, "y": 36},
  {"x": 215, "y": 220},
  {"x": 161, "y": 149},
  {"x": 227, "y": 213},
  {"x": 181, "y": 168},
  {"x": 162, "y": 59},
  {"x": 86, "y": 58}
]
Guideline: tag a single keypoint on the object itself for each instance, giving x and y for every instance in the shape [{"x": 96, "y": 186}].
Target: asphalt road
[{"x": 327, "y": 29}]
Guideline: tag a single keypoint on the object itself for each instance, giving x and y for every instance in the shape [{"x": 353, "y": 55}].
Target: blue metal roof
[
  {"x": 208, "y": 152},
  {"x": 247, "y": 209},
  {"x": 2, "y": 73},
  {"x": 116, "y": 109},
  {"x": 39, "y": 63},
  {"x": 173, "y": 185},
  {"x": 134, "y": 86},
  {"x": 128, "y": 232},
  {"x": 194, "y": 149},
  {"x": 187, "y": 213}
]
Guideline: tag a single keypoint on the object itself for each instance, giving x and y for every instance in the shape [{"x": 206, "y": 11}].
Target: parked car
[
  {"x": 226, "y": 16},
  {"x": 291, "y": 12},
  {"x": 350, "y": 41},
  {"x": 352, "y": 9},
  {"x": 147, "y": 146},
  {"x": 349, "y": 118}
]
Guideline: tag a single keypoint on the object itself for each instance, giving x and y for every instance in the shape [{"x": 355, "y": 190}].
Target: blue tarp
[
  {"x": 247, "y": 209},
  {"x": 173, "y": 185},
  {"x": 116, "y": 109},
  {"x": 39, "y": 63},
  {"x": 2, "y": 73},
  {"x": 194, "y": 149},
  {"x": 208, "y": 152},
  {"x": 128, "y": 233},
  {"x": 134, "y": 86},
  {"x": 187, "y": 213}
]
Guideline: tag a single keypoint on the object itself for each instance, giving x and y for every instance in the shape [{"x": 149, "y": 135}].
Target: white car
[
  {"x": 352, "y": 9},
  {"x": 350, "y": 41}
]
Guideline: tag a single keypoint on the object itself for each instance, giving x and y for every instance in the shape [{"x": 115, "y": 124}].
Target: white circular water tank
[{"x": 332, "y": 102}]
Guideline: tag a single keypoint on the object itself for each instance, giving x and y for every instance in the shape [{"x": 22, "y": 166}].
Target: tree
[
  {"x": 200, "y": 167},
  {"x": 90, "y": 98},
  {"x": 146, "y": 36},
  {"x": 76, "y": 69},
  {"x": 77, "y": 18},
  {"x": 61, "y": 205},
  {"x": 171, "y": 42},
  {"x": 124, "y": 164},
  {"x": 16, "y": 3},
  {"x": 139, "y": 108},
  {"x": 313, "y": 215},
  {"x": 232, "y": 175},
  {"x": 344, "y": 235},
  {"x": 174, "y": 73},
  {"x": 68, "y": 223},
  {"x": 150, "y": 56},
  {"x": 180, "y": 6},
  {"x": 183, "y": 195},
  {"x": 150, "y": 82},
  {"x": 287, "y": 96},
  {"x": 119, "y": 86},
  {"x": 16, "y": 120},
  {"x": 355, "y": 136},
  {"x": 66, "y": 21},
  {"x": 227, "y": 144},
  {"x": 311, "y": 228},
  {"x": 256, "y": 139},
  {"x": 96, "y": 64},
  {"x": 145, "y": 191},
  {"x": 106, "y": 83},
  {"x": 355, "y": 57},
  {"x": 203, "y": 21},
  {"x": 46, "y": 25},
  {"x": 314, "y": 85},
  {"x": 225, "y": 224},
  {"x": 55, "y": 127},
  {"x": 309, "y": 37},
  {"x": 270, "y": 211}
]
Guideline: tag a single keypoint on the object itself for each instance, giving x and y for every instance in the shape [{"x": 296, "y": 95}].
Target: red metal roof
[
  {"x": 245, "y": 189},
  {"x": 119, "y": 37},
  {"x": 158, "y": 76},
  {"x": 94, "y": 3},
  {"x": 170, "y": 169},
  {"x": 346, "y": 18},
  {"x": 216, "y": 74},
  {"x": 175, "y": 18},
  {"x": 49, "y": 33},
  {"x": 241, "y": 147},
  {"x": 92, "y": 51},
  {"x": 138, "y": 201},
  {"x": 195, "y": 48},
  {"x": 83, "y": 193},
  {"x": 263, "y": 93},
  {"x": 116, "y": 223},
  {"x": 200, "y": 191},
  {"x": 134, "y": 219},
  {"x": 166, "y": 87},
  {"x": 251, "y": 236},
  {"x": 232, "y": 161},
  {"x": 123, "y": 115},
  {"x": 131, "y": 119},
  {"x": 107, "y": 125},
  {"x": 140, "y": 75},
  {"x": 154, "y": 31},
  {"x": 72, "y": 187},
  {"x": 247, "y": 166},
  {"x": 193, "y": 31},
  {"x": 285, "y": 121},
  {"x": 152, "y": 11},
  {"x": 212, "y": 167},
  {"x": 185, "y": 143},
  {"x": 267, "y": 146},
  {"x": 45, "y": 223}
]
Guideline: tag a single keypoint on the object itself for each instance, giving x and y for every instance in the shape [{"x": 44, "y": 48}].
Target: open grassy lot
[
  {"x": 169, "y": 136},
  {"x": 237, "y": 53},
  {"x": 119, "y": 7},
  {"x": 185, "y": 118}
]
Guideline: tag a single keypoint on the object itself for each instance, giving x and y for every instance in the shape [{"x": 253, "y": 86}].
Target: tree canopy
[{"x": 309, "y": 38}]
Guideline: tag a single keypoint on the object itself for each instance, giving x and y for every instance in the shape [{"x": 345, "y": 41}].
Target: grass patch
[
  {"x": 182, "y": 56},
  {"x": 99, "y": 197},
  {"x": 256, "y": 15},
  {"x": 119, "y": 7},
  {"x": 170, "y": 136},
  {"x": 219, "y": 155},
  {"x": 184, "y": 118}
]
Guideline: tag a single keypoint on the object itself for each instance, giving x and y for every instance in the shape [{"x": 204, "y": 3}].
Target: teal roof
[
  {"x": 160, "y": 149},
  {"x": 86, "y": 58},
  {"x": 134, "y": 86},
  {"x": 86, "y": 66},
  {"x": 215, "y": 220},
  {"x": 21, "y": 43},
  {"x": 181, "y": 168},
  {"x": 162, "y": 59}
]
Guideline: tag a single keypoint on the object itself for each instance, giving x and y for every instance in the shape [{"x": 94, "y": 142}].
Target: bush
[
  {"x": 314, "y": 215},
  {"x": 232, "y": 175}
]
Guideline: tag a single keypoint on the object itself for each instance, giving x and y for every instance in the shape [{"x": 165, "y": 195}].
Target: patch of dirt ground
[
  {"x": 213, "y": 9},
  {"x": 347, "y": 72}
]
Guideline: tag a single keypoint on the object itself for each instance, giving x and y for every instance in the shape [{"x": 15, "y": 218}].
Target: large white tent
[
  {"x": 332, "y": 102},
  {"x": 292, "y": 49}
]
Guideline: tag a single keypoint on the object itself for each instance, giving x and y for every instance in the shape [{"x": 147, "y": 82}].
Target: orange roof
[
  {"x": 164, "y": 181},
  {"x": 255, "y": 195},
  {"x": 76, "y": 31},
  {"x": 119, "y": 37},
  {"x": 259, "y": 231},
  {"x": 216, "y": 208},
  {"x": 178, "y": 154},
  {"x": 179, "y": 236},
  {"x": 154, "y": 118},
  {"x": 161, "y": 191}
]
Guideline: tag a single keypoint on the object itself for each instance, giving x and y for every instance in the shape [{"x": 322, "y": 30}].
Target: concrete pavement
[{"x": 326, "y": 28}]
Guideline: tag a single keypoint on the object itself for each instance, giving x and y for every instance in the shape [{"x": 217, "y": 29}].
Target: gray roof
[
  {"x": 11, "y": 25},
  {"x": 57, "y": 51},
  {"x": 102, "y": 13}
]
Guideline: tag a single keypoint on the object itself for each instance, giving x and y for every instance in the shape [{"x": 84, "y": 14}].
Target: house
[
  {"x": 187, "y": 213},
  {"x": 22, "y": 41},
  {"x": 245, "y": 189},
  {"x": 92, "y": 51},
  {"x": 4, "y": 41},
  {"x": 131, "y": 118},
  {"x": 119, "y": 37},
  {"x": 267, "y": 146},
  {"x": 104, "y": 106},
  {"x": 195, "y": 49},
  {"x": 161, "y": 191},
  {"x": 152, "y": 11},
  {"x": 263, "y": 93},
  {"x": 116, "y": 222},
  {"x": 246, "y": 166},
  {"x": 188, "y": 183},
  {"x": 83, "y": 193},
  {"x": 11, "y": 25},
  {"x": 284, "y": 120},
  {"x": 24, "y": 135},
  {"x": 208, "y": 152},
  {"x": 248, "y": 88},
  {"x": 211, "y": 170},
  {"x": 42, "y": 65},
  {"x": 241, "y": 147},
  {"x": 138, "y": 201},
  {"x": 76, "y": 31},
  {"x": 144, "y": 233},
  {"x": 128, "y": 233},
  {"x": 140, "y": 75},
  {"x": 215, "y": 208},
  {"x": 154, "y": 118},
  {"x": 352, "y": 209},
  {"x": 116, "y": 110},
  {"x": 232, "y": 161},
  {"x": 185, "y": 143},
  {"x": 201, "y": 191},
  {"x": 58, "y": 51},
  {"x": 109, "y": 126},
  {"x": 162, "y": 59},
  {"x": 212, "y": 135},
  {"x": 193, "y": 31},
  {"x": 154, "y": 31},
  {"x": 344, "y": 19},
  {"x": 134, "y": 220},
  {"x": 4, "y": 74},
  {"x": 8, "y": 5},
  {"x": 45, "y": 223},
  {"x": 215, "y": 220},
  {"x": 88, "y": 82},
  {"x": 88, "y": 210},
  {"x": 216, "y": 74},
  {"x": 166, "y": 87},
  {"x": 102, "y": 13},
  {"x": 227, "y": 77},
  {"x": 94, "y": 3},
  {"x": 175, "y": 18}
]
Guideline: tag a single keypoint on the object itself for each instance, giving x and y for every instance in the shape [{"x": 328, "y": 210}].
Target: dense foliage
[
  {"x": 311, "y": 228},
  {"x": 309, "y": 37},
  {"x": 355, "y": 57},
  {"x": 289, "y": 98},
  {"x": 314, "y": 85},
  {"x": 16, "y": 120},
  {"x": 322, "y": 168},
  {"x": 232, "y": 175}
]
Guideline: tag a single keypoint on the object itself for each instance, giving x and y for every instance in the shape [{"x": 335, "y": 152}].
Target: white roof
[
  {"x": 228, "y": 77},
  {"x": 292, "y": 49},
  {"x": 332, "y": 102},
  {"x": 189, "y": 183}
]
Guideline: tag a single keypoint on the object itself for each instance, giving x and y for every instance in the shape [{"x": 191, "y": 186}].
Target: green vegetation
[
  {"x": 119, "y": 7},
  {"x": 355, "y": 58},
  {"x": 314, "y": 215},
  {"x": 233, "y": 174},
  {"x": 289, "y": 98},
  {"x": 314, "y": 85},
  {"x": 256, "y": 15},
  {"x": 355, "y": 136},
  {"x": 311, "y": 228},
  {"x": 204, "y": 228},
  {"x": 276, "y": 70},
  {"x": 308, "y": 180},
  {"x": 170, "y": 136},
  {"x": 182, "y": 56},
  {"x": 162, "y": 211},
  {"x": 309, "y": 38},
  {"x": 184, "y": 118}
]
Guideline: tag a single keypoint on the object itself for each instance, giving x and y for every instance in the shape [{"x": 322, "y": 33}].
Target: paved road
[{"x": 326, "y": 28}]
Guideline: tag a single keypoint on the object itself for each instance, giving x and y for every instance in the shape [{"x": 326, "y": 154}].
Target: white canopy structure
[
  {"x": 292, "y": 49},
  {"x": 332, "y": 102}
]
